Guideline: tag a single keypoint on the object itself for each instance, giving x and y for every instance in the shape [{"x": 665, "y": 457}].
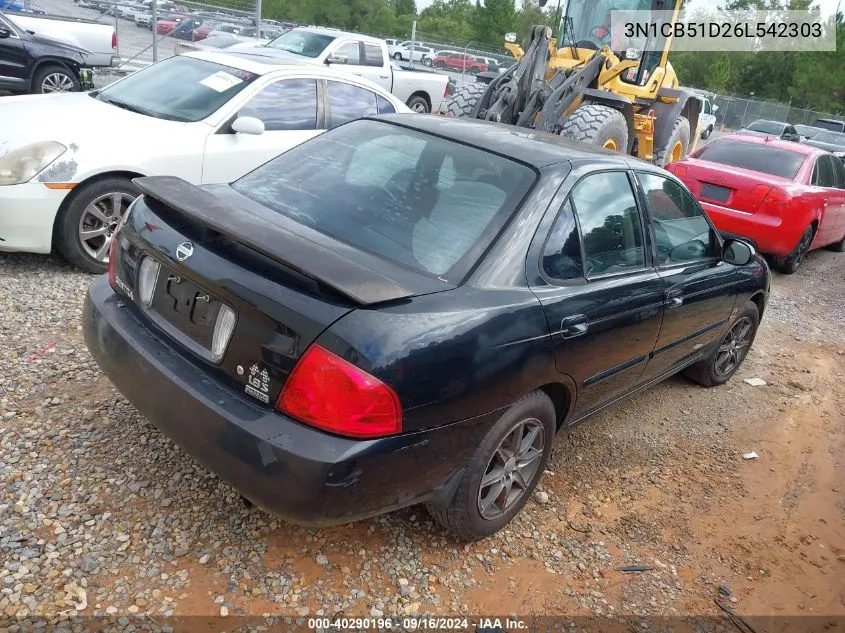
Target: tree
[
  {"x": 530, "y": 15},
  {"x": 493, "y": 19},
  {"x": 404, "y": 7},
  {"x": 719, "y": 77}
]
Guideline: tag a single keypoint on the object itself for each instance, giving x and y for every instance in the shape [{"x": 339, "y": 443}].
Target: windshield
[
  {"x": 303, "y": 43},
  {"x": 589, "y": 20},
  {"x": 767, "y": 127},
  {"x": 753, "y": 156},
  {"x": 423, "y": 201},
  {"x": 807, "y": 130},
  {"x": 834, "y": 138},
  {"x": 177, "y": 89}
]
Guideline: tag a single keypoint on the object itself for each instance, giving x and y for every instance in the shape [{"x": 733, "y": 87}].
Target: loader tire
[
  {"x": 599, "y": 125},
  {"x": 463, "y": 101},
  {"x": 680, "y": 134}
]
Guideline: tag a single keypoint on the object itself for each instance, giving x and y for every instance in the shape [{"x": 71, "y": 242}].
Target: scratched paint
[{"x": 60, "y": 171}]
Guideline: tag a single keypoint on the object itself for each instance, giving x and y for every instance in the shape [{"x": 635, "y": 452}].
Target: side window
[
  {"x": 384, "y": 106},
  {"x": 610, "y": 223},
  {"x": 838, "y": 173},
  {"x": 348, "y": 102},
  {"x": 823, "y": 174},
  {"x": 290, "y": 104},
  {"x": 562, "y": 252},
  {"x": 351, "y": 51},
  {"x": 706, "y": 107},
  {"x": 681, "y": 230},
  {"x": 373, "y": 56}
]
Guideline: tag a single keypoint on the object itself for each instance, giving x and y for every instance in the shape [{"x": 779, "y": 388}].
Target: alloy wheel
[
  {"x": 734, "y": 347},
  {"x": 57, "y": 82},
  {"x": 512, "y": 468},
  {"x": 99, "y": 221},
  {"x": 803, "y": 246}
]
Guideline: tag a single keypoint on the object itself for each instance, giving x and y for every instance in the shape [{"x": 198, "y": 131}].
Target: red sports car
[{"x": 786, "y": 197}]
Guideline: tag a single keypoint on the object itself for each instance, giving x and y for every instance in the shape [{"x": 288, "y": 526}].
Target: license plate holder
[{"x": 715, "y": 192}]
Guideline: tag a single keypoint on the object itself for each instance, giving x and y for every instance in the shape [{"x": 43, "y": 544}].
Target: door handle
[
  {"x": 825, "y": 202},
  {"x": 385, "y": 76},
  {"x": 573, "y": 326},
  {"x": 674, "y": 298}
]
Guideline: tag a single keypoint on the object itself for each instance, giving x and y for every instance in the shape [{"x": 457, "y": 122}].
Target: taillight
[
  {"x": 114, "y": 40},
  {"x": 776, "y": 196},
  {"x": 332, "y": 394},
  {"x": 112, "y": 257}
]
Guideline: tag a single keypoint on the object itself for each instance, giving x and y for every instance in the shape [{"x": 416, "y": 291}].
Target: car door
[
  {"x": 838, "y": 210},
  {"x": 291, "y": 115},
  {"x": 699, "y": 289},
  {"x": 603, "y": 300},
  {"x": 13, "y": 58},
  {"x": 829, "y": 196}
]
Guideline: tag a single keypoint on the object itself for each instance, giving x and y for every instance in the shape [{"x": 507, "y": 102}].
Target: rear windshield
[
  {"x": 834, "y": 138},
  {"x": 836, "y": 126},
  {"x": 420, "y": 200},
  {"x": 754, "y": 156},
  {"x": 767, "y": 127}
]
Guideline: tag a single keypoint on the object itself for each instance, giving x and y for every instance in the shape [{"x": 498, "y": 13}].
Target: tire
[
  {"x": 598, "y": 125},
  {"x": 56, "y": 76},
  {"x": 439, "y": 65},
  {"x": 463, "y": 516},
  {"x": 418, "y": 104},
  {"x": 837, "y": 247},
  {"x": 397, "y": 57},
  {"x": 788, "y": 264},
  {"x": 707, "y": 371},
  {"x": 706, "y": 133},
  {"x": 69, "y": 223},
  {"x": 464, "y": 100},
  {"x": 426, "y": 62},
  {"x": 680, "y": 134}
]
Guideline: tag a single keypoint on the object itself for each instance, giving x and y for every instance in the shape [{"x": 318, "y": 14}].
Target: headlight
[{"x": 22, "y": 164}]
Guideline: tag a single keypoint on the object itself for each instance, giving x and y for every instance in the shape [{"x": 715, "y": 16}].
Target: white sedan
[{"x": 67, "y": 160}]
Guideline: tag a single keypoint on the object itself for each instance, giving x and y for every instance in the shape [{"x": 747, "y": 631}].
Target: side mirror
[
  {"x": 337, "y": 59},
  {"x": 737, "y": 252},
  {"x": 4, "y": 32},
  {"x": 248, "y": 125}
]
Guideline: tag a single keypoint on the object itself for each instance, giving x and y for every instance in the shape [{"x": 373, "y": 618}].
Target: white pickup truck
[
  {"x": 359, "y": 54},
  {"x": 99, "y": 39}
]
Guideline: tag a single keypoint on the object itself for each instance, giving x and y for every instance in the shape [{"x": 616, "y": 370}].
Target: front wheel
[
  {"x": 503, "y": 471},
  {"x": 788, "y": 264},
  {"x": 725, "y": 360},
  {"x": 54, "y": 78},
  {"x": 677, "y": 146},
  {"x": 397, "y": 56},
  {"x": 85, "y": 228},
  {"x": 598, "y": 125}
]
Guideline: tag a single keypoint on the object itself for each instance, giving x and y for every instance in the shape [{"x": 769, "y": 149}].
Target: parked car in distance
[
  {"x": 807, "y": 132},
  {"x": 166, "y": 25},
  {"x": 422, "y": 54},
  {"x": 786, "y": 197},
  {"x": 39, "y": 65},
  {"x": 97, "y": 39},
  {"x": 444, "y": 315},
  {"x": 17, "y": 6},
  {"x": 707, "y": 117},
  {"x": 355, "y": 53},
  {"x": 492, "y": 63},
  {"x": 833, "y": 142},
  {"x": 772, "y": 129},
  {"x": 461, "y": 62},
  {"x": 833, "y": 125},
  {"x": 207, "y": 117}
]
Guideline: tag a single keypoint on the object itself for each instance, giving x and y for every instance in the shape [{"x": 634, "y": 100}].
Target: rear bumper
[
  {"x": 27, "y": 214},
  {"x": 772, "y": 235},
  {"x": 302, "y": 474}
]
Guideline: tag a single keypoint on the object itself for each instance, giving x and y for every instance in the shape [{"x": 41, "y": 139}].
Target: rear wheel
[
  {"x": 85, "y": 228},
  {"x": 788, "y": 264},
  {"x": 503, "y": 472},
  {"x": 397, "y": 56},
  {"x": 706, "y": 133},
  {"x": 54, "y": 78},
  {"x": 464, "y": 100},
  {"x": 725, "y": 360},
  {"x": 426, "y": 61},
  {"x": 597, "y": 125},
  {"x": 677, "y": 146},
  {"x": 440, "y": 65},
  {"x": 419, "y": 104}
]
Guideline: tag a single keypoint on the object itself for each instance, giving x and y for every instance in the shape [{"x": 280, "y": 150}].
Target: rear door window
[
  {"x": 348, "y": 102},
  {"x": 752, "y": 156},
  {"x": 562, "y": 252},
  {"x": 290, "y": 104},
  {"x": 373, "y": 55},
  {"x": 823, "y": 173}
]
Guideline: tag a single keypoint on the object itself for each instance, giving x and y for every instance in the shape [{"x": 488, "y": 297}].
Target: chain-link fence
[{"x": 736, "y": 112}]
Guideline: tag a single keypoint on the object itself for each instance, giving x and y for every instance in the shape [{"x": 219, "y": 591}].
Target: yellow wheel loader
[{"x": 580, "y": 86}]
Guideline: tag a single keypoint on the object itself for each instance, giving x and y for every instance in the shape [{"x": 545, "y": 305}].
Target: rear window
[
  {"x": 420, "y": 200},
  {"x": 767, "y": 127},
  {"x": 754, "y": 156}
]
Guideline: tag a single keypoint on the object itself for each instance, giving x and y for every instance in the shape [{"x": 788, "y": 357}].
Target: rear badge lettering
[
  {"x": 123, "y": 286},
  {"x": 258, "y": 384}
]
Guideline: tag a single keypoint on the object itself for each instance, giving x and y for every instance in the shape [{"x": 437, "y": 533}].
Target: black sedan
[
  {"x": 38, "y": 64},
  {"x": 408, "y": 309},
  {"x": 833, "y": 142}
]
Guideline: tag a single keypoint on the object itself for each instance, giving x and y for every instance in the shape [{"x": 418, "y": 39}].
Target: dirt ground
[{"x": 660, "y": 481}]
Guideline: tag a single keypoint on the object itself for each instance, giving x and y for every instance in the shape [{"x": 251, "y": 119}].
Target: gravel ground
[{"x": 100, "y": 514}]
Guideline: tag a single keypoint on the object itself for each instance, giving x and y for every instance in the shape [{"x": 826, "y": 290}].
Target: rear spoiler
[{"x": 361, "y": 284}]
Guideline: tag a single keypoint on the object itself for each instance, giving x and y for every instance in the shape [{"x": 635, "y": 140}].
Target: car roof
[
  {"x": 525, "y": 145},
  {"x": 800, "y": 148},
  {"x": 338, "y": 33},
  {"x": 832, "y": 121},
  {"x": 768, "y": 121}
]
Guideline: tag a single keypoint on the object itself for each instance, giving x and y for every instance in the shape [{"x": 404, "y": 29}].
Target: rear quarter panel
[{"x": 406, "y": 83}]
